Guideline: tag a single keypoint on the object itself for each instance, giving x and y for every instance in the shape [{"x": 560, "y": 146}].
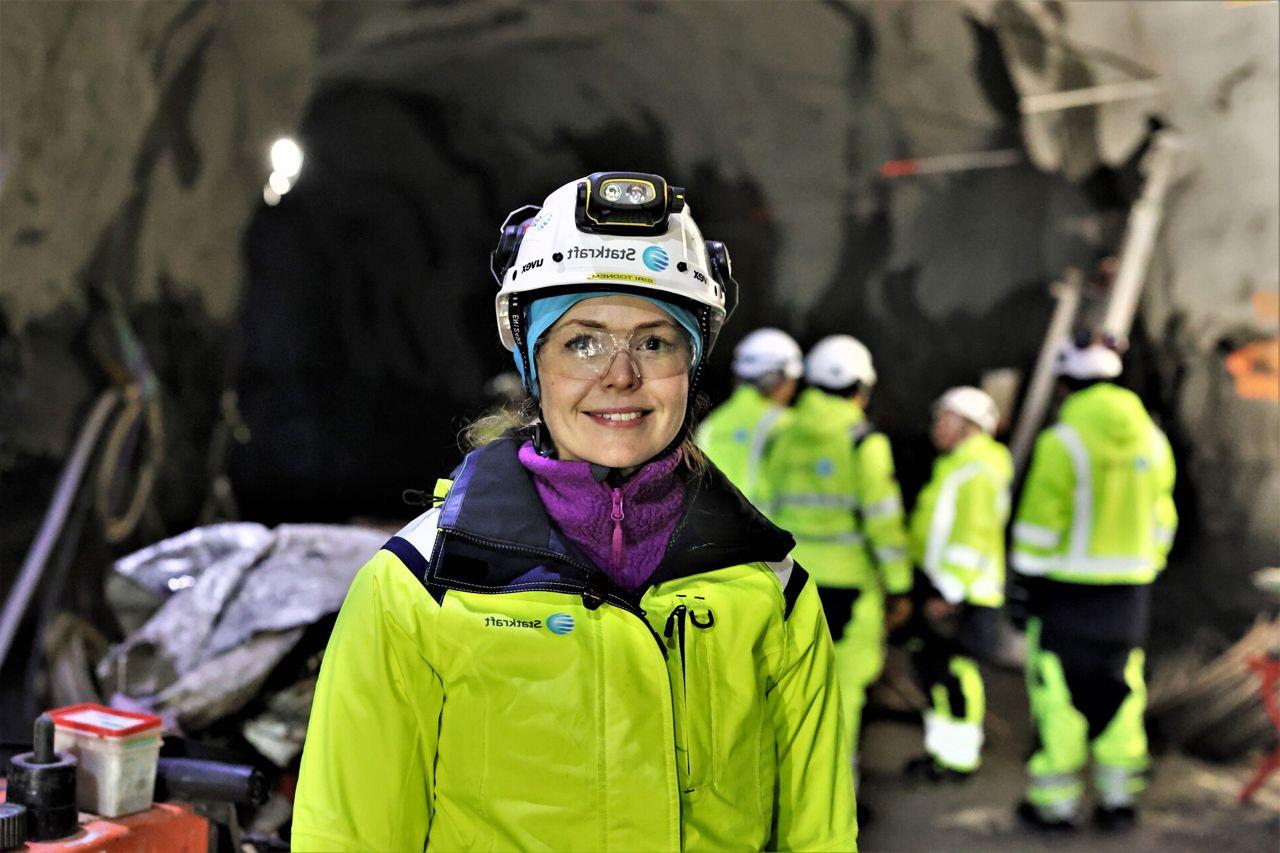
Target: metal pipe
[
  {"x": 1140, "y": 235},
  {"x": 1049, "y": 102},
  {"x": 1040, "y": 390},
  {"x": 15, "y": 607}
]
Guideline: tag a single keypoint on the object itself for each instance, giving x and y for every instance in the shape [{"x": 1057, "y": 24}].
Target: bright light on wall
[
  {"x": 286, "y": 164},
  {"x": 286, "y": 157}
]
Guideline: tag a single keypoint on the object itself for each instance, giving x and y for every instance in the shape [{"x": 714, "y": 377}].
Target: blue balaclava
[{"x": 543, "y": 314}]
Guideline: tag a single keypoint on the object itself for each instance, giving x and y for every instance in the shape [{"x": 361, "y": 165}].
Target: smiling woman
[{"x": 670, "y": 685}]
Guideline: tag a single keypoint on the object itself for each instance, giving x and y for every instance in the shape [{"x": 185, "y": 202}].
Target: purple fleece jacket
[{"x": 623, "y": 530}]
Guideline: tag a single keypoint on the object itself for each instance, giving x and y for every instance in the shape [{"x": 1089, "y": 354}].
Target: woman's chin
[{"x": 619, "y": 452}]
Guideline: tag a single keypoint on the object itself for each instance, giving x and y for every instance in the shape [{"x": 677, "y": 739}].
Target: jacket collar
[{"x": 495, "y": 517}]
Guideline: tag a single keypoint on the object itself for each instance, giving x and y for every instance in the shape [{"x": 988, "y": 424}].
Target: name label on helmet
[
  {"x": 532, "y": 265},
  {"x": 577, "y": 252},
  {"x": 620, "y": 276}
]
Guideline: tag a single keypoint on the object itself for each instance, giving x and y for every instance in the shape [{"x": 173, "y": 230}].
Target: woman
[{"x": 594, "y": 642}]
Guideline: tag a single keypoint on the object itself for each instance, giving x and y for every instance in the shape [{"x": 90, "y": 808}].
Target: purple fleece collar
[{"x": 623, "y": 530}]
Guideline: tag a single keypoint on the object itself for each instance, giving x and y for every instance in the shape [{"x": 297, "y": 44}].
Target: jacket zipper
[
  {"x": 616, "y": 516},
  {"x": 676, "y": 627},
  {"x": 592, "y": 597}
]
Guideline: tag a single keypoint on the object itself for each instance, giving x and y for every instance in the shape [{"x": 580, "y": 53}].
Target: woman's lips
[{"x": 618, "y": 418}]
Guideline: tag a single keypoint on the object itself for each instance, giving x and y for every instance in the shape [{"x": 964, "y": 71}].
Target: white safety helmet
[
  {"x": 1089, "y": 360},
  {"x": 972, "y": 404},
  {"x": 838, "y": 361},
  {"x": 623, "y": 232},
  {"x": 766, "y": 351}
]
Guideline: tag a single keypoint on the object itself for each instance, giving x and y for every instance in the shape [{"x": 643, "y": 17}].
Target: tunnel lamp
[{"x": 286, "y": 158}]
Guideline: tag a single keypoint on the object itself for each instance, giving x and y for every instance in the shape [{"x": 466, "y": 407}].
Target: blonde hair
[{"x": 520, "y": 419}]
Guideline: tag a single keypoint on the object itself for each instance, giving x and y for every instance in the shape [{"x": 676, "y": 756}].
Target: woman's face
[{"x": 618, "y": 419}]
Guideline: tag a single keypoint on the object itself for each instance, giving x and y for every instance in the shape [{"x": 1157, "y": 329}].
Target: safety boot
[
  {"x": 1041, "y": 822},
  {"x": 1114, "y": 818}
]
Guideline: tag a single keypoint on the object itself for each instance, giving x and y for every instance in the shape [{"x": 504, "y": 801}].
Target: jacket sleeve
[
  {"x": 1166, "y": 513},
  {"x": 880, "y": 504},
  {"x": 958, "y": 556},
  {"x": 366, "y": 777},
  {"x": 814, "y": 807},
  {"x": 1042, "y": 525}
]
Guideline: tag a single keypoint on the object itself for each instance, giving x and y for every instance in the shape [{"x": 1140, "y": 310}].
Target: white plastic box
[{"x": 117, "y": 753}]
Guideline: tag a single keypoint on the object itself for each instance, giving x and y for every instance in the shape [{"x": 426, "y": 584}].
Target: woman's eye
[
  {"x": 583, "y": 345},
  {"x": 654, "y": 343}
]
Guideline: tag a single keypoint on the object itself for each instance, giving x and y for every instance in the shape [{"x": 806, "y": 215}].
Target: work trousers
[
  {"x": 1087, "y": 695},
  {"x": 856, "y": 619},
  {"x": 947, "y": 667}
]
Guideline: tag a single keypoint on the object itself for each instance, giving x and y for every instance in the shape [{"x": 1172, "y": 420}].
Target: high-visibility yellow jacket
[
  {"x": 958, "y": 524},
  {"x": 736, "y": 434},
  {"x": 486, "y": 688},
  {"x": 1097, "y": 506},
  {"x": 832, "y": 485}
]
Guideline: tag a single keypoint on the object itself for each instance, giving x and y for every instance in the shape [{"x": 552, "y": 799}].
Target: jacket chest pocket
[{"x": 690, "y": 644}]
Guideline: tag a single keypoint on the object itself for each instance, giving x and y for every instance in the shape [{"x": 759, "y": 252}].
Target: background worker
[
  {"x": 1092, "y": 531},
  {"x": 957, "y": 539},
  {"x": 767, "y": 365},
  {"x": 832, "y": 485}
]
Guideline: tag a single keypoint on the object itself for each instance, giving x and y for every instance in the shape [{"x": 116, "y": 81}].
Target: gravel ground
[{"x": 1190, "y": 806}]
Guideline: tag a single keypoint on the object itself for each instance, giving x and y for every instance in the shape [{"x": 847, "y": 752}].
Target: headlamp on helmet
[{"x": 628, "y": 203}]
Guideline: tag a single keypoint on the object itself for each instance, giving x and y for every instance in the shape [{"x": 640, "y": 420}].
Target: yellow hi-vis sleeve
[
  {"x": 366, "y": 778},
  {"x": 1042, "y": 526},
  {"x": 814, "y": 809}
]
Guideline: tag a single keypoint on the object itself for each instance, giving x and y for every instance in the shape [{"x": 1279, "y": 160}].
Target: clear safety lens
[{"x": 576, "y": 352}]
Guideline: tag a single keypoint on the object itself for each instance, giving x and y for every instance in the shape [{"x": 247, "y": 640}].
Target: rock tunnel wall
[{"x": 354, "y": 317}]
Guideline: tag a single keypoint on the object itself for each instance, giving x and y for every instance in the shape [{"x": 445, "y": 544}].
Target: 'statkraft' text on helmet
[
  {"x": 622, "y": 232},
  {"x": 838, "y": 361}
]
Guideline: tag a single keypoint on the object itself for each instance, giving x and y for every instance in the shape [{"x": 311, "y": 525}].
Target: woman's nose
[{"x": 622, "y": 372}]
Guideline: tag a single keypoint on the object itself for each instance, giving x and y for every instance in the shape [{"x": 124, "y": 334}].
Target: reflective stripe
[
  {"x": 944, "y": 518},
  {"x": 831, "y": 538},
  {"x": 966, "y": 556},
  {"x": 1082, "y": 516},
  {"x": 948, "y": 586},
  {"x": 880, "y": 509},
  {"x": 952, "y": 743},
  {"x": 1035, "y": 535},
  {"x": 1037, "y": 564},
  {"x": 818, "y": 500},
  {"x": 890, "y": 553},
  {"x": 1164, "y": 535},
  {"x": 1033, "y": 564},
  {"x": 758, "y": 441},
  {"x": 1118, "y": 786}
]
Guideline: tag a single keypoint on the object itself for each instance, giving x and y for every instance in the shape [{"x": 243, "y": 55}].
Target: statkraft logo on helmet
[{"x": 599, "y": 253}]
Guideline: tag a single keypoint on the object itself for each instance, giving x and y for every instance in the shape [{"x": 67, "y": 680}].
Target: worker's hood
[
  {"x": 818, "y": 413},
  {"x": 1114, "y": 416}
]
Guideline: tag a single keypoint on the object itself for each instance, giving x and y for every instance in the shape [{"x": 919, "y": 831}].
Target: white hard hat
[
  {"x": 765, "y": 351},
  {"x": 1091, "y": 361},
  {"x": 614, "y": 231},
  {"x": 972, "y": 404},
  {"x": 838, "y": 361}
]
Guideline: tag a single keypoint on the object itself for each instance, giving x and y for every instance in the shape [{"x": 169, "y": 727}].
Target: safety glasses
[{"x": 581, "y": 352}]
